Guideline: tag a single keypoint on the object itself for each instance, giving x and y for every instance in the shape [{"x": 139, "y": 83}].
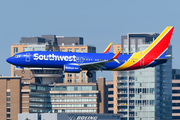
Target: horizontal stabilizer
[{"x": 163, "y": 59}]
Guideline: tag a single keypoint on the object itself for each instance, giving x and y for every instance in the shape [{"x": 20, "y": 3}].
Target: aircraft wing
[
  {"x": 100, "y": 64},
  {"x": 94, "y": 65}
]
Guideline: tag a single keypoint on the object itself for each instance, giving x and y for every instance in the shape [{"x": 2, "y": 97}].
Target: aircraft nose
[{"x": 9, "y": 60}]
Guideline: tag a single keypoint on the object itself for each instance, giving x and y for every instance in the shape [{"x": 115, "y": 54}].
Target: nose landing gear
[
  {"x": 23, "y": 71},
  {"x": 89, "y": 74}
]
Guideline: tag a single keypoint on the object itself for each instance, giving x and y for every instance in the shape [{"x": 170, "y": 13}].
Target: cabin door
[
  {"x": 27, "y": 57},
  {"x": 142, "y": 62}
]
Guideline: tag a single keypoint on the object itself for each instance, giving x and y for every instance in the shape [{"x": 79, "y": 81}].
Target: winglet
[
  {"x": 117, "y": 54},
  {"x": 108, "y": 48}
]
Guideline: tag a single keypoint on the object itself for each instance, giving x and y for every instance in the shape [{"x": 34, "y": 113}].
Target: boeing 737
[{"x": 72, "y": 62}]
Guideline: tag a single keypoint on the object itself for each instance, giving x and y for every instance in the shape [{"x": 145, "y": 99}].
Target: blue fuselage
[{"x": 47, "y": 59}]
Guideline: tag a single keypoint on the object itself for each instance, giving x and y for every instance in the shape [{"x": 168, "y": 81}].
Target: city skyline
[{"x": 96, "y": 21}]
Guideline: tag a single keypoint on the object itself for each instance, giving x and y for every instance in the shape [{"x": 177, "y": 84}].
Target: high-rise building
[
  {"x": 143, "y": 94},
  {"x": 10, "y": 102},
  {"x": 110, "y": 88},
  {"x": 175, "y": 94}
]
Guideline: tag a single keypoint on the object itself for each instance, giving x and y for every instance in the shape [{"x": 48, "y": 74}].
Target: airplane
[{"x": 72, "y": 62}]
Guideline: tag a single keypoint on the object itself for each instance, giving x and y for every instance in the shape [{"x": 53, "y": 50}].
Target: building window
[
  {"x": 30, "y": 49},
  {"x": 110, "y": 99},
  {"x": 76, "y": 74},
  {"x": 69, "y": 74},
  {"x": 93, "y": 50},
  {"x": 76, "y": 80},
  {"x": 62, "y": 50},
  {"x": 8, "y": 115},
  {"x": 175, "y": 84},
  {"x": 8, "y": 99},
  {"x": 44, "y": 49},
  {"x": 8, "y": 93},
  {"x": 24, "y": 49},
  {"x": 8, "y": 104},
  {"x": 132, "y": 49},
  {"x": 37, "y": 49},
  {"x": 74, "y": 88},
  {"x": 69, "y": 50},
  {"x": 110, "y": 105},
  {"x": 76, "y": 50},
  {"x": 110, "y": 86},
  {"x": 14, "y": 67},
  {"x": 15, "y": 50},
  {"x": 83, "y": 77},
  {"x": 83, "y": 74},
  {"x": 8, "y": 110},
  {"x": 88, "y": 88},
  {"x": 83, "y": 50},
  {"x": 110, "y": 92},
  {"x": 85, "y": 105},
  {"x": 151, "y": 90},
  {"x": 69, "y": 80}
]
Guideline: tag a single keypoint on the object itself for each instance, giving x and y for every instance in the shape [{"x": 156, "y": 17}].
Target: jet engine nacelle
[{"x": 72, "y": 68}]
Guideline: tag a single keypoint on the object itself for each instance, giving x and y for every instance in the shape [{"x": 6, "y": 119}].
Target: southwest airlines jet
[{"x": 73, "y": 62}]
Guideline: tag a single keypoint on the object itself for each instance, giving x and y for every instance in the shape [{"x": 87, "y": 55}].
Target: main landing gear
[{"x": 89, "y": 74}]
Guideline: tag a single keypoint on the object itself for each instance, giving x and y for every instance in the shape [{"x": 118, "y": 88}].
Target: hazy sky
[{"x": 99, "y": 22}]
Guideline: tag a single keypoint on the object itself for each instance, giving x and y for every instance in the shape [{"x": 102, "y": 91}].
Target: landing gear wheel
[
  {"x": 22, "y": 71},
  {"x": 89, "y": 74}
]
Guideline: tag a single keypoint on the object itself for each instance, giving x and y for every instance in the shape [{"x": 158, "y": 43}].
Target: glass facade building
[
  {"x": 45, "y": 98},
  {"x": 143, "y": 94}
]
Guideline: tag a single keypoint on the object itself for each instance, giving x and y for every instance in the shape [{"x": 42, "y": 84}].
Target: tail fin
[{"x": 159, "y": 47}]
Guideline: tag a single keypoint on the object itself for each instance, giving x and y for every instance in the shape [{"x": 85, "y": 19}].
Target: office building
[
  {"x": 54, "y": 43},
  {"x": 27, "y": 97},
  {"x": 53, "y": 81},
  {"x": 175, "y": 94},
  {"x": 110, "y": 88},
  {"x": 143, "y": 94},
  {"x": 63, "y": 97},
  {"x": 10, "y": 102}
]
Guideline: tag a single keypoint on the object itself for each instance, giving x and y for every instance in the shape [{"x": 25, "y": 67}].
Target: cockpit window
[{"x": 16, "y": 56}]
